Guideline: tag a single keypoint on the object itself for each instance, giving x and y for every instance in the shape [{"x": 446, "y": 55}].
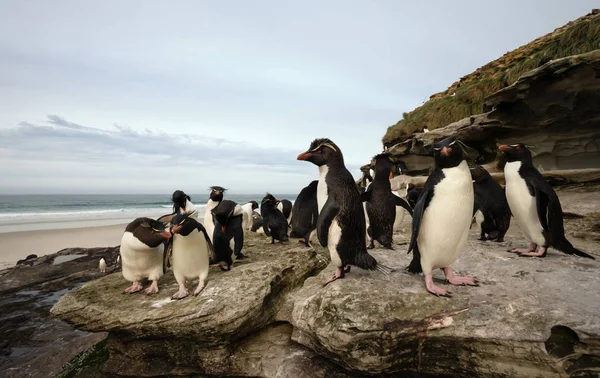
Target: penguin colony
[{"x": 348, "y": 221}]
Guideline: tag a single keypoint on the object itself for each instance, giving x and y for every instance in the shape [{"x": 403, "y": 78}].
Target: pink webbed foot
[
  {"x": 137, "y": 286},
  {"x": 199, "y": 288},
  {"x": 532, "y": 247},
  {"x": 435, "y": 290},
  {"x": 339, "y": 273},
  {"x": 182, "y": 293},
  {"x": 458, "y": 280},
  {"x": 152, "y": 289},
  {"x": 541, "y": 252}
]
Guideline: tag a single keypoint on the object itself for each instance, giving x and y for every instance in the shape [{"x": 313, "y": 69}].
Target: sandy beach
[{"x": 18, "y": 245}]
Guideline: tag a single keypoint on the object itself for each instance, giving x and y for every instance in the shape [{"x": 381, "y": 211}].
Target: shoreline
[{"x": 18, "y": 245}]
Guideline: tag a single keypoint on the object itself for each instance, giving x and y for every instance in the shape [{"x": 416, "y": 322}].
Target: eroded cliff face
[
  {"x": 271, "y": 316},
  {"x": 554, "y": 108}
]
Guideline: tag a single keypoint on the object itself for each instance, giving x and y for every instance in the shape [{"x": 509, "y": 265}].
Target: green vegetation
[{"x": 577, "y": 37}]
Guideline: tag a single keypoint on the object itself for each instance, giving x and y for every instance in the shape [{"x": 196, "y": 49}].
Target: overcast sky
[{"x": 153, "y": 96}]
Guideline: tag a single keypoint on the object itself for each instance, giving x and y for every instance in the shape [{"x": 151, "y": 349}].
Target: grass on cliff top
[{"x": 581, "y": 36}]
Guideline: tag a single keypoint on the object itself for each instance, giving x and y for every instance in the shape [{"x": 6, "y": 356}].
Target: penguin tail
[
  {"x": 384, "y": 269},
  {"x": 566, "y": 247},
  {"x": 365, "y": 261}
]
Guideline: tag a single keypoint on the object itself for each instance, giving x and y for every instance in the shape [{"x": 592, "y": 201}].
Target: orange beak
[
  {"x": 176, "y": 229},
  {"x": 446, "y": 151},
  {"x": 391, "y": 175},
  {"x": 503, "y": 147},
  {"x": 303, "y": 156},
  {"x": 223, "y": 228}
]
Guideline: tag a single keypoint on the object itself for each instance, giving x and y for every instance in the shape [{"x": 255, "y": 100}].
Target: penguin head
[
  {"x": 478, "y": 173},
  {"x": 383, "y": 165},
  {"x": 254, "y": 205},
  {"x": 223, "y": 212},
  {"x": 216, "y": 193},
  {"x": 447, "y": 153},
  {"x": 270, "y": 201},
  {"x": 321, "y": 151},
  {"x": 183, "y": 224},
  {"x": 179, "y": 198},
  {"x": 516, "y": 152}
]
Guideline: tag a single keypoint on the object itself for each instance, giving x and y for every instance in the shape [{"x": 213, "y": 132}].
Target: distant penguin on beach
[
  {"x": 192, "y": 249},
  {"x": 274, "y": 223},
  {"x": 534, "y": 204},
  {"x": 228, "y": 225},
  {"x": 381, "y": 203},
  {"x": 305, "y": 213},
  {"x": 490, "y": 200},
  {"x": 102, "y": 265},
  {"x": 142, "y": 252},
  {"x": 442, "y": 217},
  {"x": 248, "y": 212},
  {"x": 215, "y": 196},
  {"x": 341, "y": 223}
]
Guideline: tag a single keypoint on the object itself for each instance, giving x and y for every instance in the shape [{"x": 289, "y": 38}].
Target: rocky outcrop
[
  {"x": 553, "y": 108},
  {"x": 32, "y": 343},
  {"x": 271, "y": 317}
]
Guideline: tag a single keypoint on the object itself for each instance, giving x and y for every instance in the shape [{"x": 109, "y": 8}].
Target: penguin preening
[
  {"x": 490, "y": 200},
  {"x": 192, "y": 249},
  {"x": 102, "y": 265},
  {"x": 182, "y": 203},
  {"x": 285, "y": 206},
  {"x": 341, "y": 222},
  {"x": 381, "y": 203},
  {"x": 228, "y": 225},
  {"x": 442, "y": 217},
  {"x": 305, "y": 213},
  {"x": 215, "y": 196},
  {"x": 274, "y": 223},
  {"x": 142, "y": 252},
  {"x": 248, "y": 212},
  {"x": 534, "y": 204}
]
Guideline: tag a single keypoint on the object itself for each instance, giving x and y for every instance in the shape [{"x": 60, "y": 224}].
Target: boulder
[{"x": 553, "y": 108}]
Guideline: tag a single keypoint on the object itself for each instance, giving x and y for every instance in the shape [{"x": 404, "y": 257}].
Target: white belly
[
  {"x": 140, "y": 261},
  {"x": 445, "y": 225},
  {"x": 335, "y": 233},
  {"x": 208, "y": 220},
  {"x": 522, "y": 204},
  {"x": 399, "y": 215},
  {"x": 322, "y": 187},
  {"x": 247, "y": 216},
  {"x": 367, "y": 223},
  {"x": 190, "y": 255}
]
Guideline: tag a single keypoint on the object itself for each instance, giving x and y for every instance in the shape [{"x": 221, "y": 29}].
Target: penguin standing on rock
[
  {"x": 274, "y": 223},
  {"x": 257, "y": 222},
  {"x": 215, "y": 196},
  {"x": 142, "y": 251},
  {"x": 285, "y": 206},
  {"x": 102, "y": 265},
  {"x": 442, "y": 217},
  {"x": 381, "y": 203},
  {"x": 305, "y": 213},
  {"x": 228, "y": 225},
  {"x": 341, "y": 223},
  {"x": 534, "y": 204},
  {"x": 192, "y": 249},
  {"x": 490, "y": 200},
  {"x": 248, "y": 212}
]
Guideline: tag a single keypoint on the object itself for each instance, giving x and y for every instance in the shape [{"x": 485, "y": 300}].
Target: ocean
[{"x": 45, "y": 212}]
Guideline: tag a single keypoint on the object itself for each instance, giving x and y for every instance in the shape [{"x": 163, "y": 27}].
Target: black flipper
[
  {"x": 211, "y": 248},
  {"x": 404, "y": 204},
  {"x": 166, "y": 219},
  {"x": 549, "y": 210},
  {"x": 366, "y": 196},
  {"x": 266, "y": 226},
  {"x": 328, "y": 213}
]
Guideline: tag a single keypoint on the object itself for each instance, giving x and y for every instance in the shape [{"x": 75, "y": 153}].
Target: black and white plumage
[
  {"x": 192, "y": 249},
  {"x": 274, "y": 223},
  {"x": 228, "y": 225},
  {"x": 412, "y": 194},
  {"x": 257, "y": 223},
  {"x": 214, "y": 198},
  {"x": 248, "y": 209},
  {"x": 341, "y": 222},
  {"x": 305, "y": 213},
  {"x": 534, "y": 204},
  {"x": 381, "y": 203},
  {"x": 142, "y": 252},
  {"x": 285, "y": 206},
  {"x": 490, "y": 200},
  {"x": 442, "y": 217}
]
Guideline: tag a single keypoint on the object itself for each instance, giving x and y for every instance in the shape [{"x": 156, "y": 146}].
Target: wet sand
[{"x": 15, "y": 246}]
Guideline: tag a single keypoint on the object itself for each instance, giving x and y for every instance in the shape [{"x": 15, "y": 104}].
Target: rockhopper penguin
[
  {"x": 274, "y": 223},
  {"x": 381, "y": 203},
  {"x": 341, "y": 222},
  {"x": 490, "y": 200},
  {"x": 534, "y": 204},
  {"x": 228, "y": 225},
  {"x": 442, "y": 217},
  {"x": 305, "y": 213}
]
